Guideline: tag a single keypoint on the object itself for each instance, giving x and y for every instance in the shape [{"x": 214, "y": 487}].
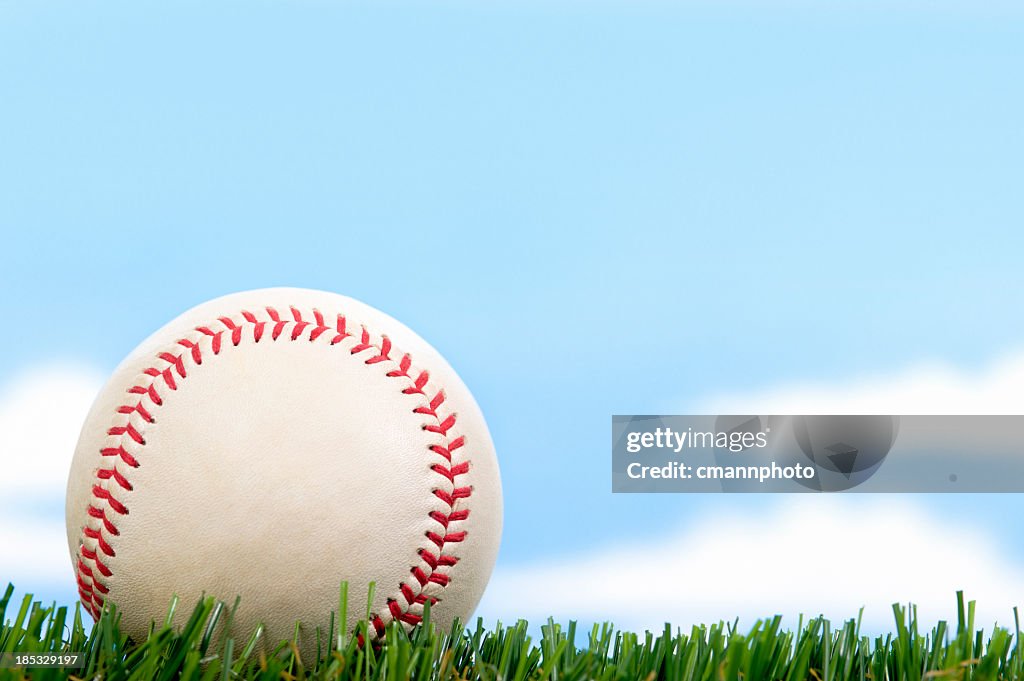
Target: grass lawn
[{"x": 816, "y": 650}]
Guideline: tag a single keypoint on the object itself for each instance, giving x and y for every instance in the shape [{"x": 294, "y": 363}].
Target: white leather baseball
[{"x": 270, "y": 444}]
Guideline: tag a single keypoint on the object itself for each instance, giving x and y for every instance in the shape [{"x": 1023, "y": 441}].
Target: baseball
[{"x": 270, "y": 445}]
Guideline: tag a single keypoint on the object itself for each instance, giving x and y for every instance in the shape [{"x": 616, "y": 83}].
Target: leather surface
[{"x": 276, "y": 469}]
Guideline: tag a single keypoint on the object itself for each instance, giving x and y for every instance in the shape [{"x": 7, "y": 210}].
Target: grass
[{"x": 815, "y": 650}]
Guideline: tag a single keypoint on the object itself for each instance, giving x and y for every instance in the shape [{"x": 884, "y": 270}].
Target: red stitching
[
  {"x": 197, "y": 356},
  {"x": 417, "y": 388},
  {"x": 434, "y": 404},
  {"x": 98, "y": 536},
  {"x": 403, "y": 368},
  {"x": 364, "y": 343},
  {"x": 378, "y": 627},
  {"x": 456, "y": 494},
  {"x": 128, "y": 409},
  {"x": 215, "y": 335},
  {"x": 443, "y": 427},
  {"x": 452, "y": 472},
  {"x": 100, "y": 514},
  {"x": 402, "y": 615},
  {"x": 385, "y": 348},
  {"x": 128, "y": 430},
  {"x": 111, "y": 473},
  {"x": 131, "y": 436},
  {"x": 120, "y": 452},
  {"x": 177, "y": 361},
  {"x": 340, "y": 328},
  {"x": 149, "y": 391}
]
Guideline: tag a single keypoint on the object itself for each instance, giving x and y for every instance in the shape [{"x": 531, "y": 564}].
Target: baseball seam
[{"x": 127, "y": 441}]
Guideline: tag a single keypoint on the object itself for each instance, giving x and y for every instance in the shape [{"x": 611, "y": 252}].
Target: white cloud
[
  {"x": 811, "y": 555},
  {"x": 39, "y": 558},
  {"x": 924, "y": 389},
  {"x": 41, "y": 414}
]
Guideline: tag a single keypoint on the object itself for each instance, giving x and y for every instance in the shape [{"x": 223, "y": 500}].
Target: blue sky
[{"x": 589, "y": 208}]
